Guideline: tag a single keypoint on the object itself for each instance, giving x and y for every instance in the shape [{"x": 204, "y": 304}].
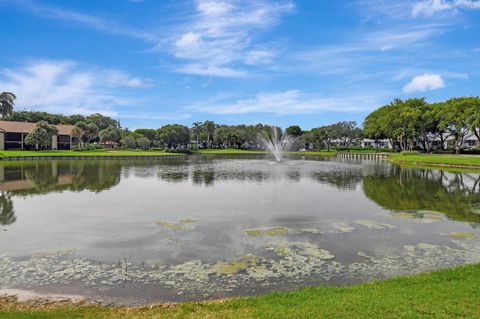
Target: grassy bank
[
  {"x": 227, "y": 151},
  {"x": 10, "y": 153},
  {"x": 314, "y": 153},
  {"x": 453, "y": 293},
  {"x": 466, "y": 161}
]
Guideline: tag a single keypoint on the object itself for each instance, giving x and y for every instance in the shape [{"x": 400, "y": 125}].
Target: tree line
[
  {"x": 406, "y": 124},
  {"x": 415, "y": 122}
]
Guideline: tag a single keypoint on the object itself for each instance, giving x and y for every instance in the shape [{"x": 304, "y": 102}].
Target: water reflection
[
  {"x": 391, "y": 187},
  {"x": 455, "y": 194},
  {"x": 7, "y": 214}
]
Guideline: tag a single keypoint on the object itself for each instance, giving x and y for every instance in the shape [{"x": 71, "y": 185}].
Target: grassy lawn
[
  {"x": 315, "y": 153},
  {"x": 453, "y": 293},
  {"x": 83, "y": 153},
  {"x": 227, "y": 151},
  {"x": 438, "y": 160}
]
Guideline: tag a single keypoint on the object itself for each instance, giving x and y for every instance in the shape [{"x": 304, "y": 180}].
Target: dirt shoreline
[{"x": 29, "y": 295}]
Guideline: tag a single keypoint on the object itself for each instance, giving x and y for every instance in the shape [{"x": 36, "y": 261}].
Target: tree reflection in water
[
  {"x": 391, "y": 187},
  {"x": 7, "y": 214},
  {"x": 456, "y": 194}
]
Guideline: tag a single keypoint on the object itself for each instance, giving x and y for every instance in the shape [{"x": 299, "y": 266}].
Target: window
[{"x": 13, "y": 137}]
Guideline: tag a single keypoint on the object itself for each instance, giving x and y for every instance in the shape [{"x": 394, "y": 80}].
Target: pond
[{"x": 142, "y": 231}]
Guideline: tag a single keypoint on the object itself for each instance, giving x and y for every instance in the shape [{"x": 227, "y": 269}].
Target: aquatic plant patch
[
  {"x": 183, "y": 225},
  {"x": 373, "y": 224},
  {"x": 275, "y": 231}
]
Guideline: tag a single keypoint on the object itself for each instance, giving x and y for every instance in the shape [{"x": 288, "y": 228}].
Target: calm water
[{"x": 140, "y": 231}]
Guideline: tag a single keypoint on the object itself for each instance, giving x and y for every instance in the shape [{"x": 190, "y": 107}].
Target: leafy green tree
[
  {"x": 129, "y": 142},
  {"x": 7, "y": 102},
  {"x": 473, "y": 114},
  {"x": 102, "y": 121},
  {"x": 143, "y": 143},
  {"x": 197, "y": 128},
  {"x": 455, "y": 118},
  {"x": 174, "y": 135},
  {"x": 347, "y": 132},
  {"x": 110, "y": 135},
  {"x": 89, "y": 131},
  {"x": 151, "y": 134},
  {"x": 294, "y": 131},
  {"x": 41, "y": 135}
]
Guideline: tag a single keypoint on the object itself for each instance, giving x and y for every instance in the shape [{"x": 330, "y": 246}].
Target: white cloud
[
  {"x": 259, "y": 56},
  {"x": 223, "y": 33},
  {"x": 210, "y": 70},
  {"x": 154, "y": 116},
  {"x": 58, "y": 13},
  {"x": 432, "y": 7},
  {"x": 68, "y": 87},
  {"x": 424, "y": 83},
  {"x": 292, "y": 102}
]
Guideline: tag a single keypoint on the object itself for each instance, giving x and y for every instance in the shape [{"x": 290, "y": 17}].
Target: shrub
[{"x": 87, "y": 147}]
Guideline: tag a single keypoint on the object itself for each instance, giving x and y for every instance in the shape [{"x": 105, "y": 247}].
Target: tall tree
[
  {"x": 197, "y": 128},
  {"x": 7, "y": 102},
  {"x": 110, "y": 135},
  {"x": 455, "y": 119},
  {"x": 89, "y": 131},
  {"x": 41, "y": 135},
  {"x": 174, "y": 135},
  {"x": 209, "y": 128},
  {"x": 77, "y": 133},
  {"x": 294, "y": 131},
  {"x": 473, "y": 114}
]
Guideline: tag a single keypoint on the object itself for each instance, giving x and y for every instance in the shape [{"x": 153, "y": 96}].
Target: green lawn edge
[
  {"x": 450, "y": 293},
  {"x": 437, "y": 161},
  {"x": 9, "y": 153},
  {"x": 120, "y": 153}
]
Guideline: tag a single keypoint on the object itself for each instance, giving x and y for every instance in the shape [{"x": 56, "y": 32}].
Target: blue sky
[{"x": 281, "y": 62}]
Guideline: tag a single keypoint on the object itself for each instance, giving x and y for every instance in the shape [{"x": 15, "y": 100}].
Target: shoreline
[
  {"x": 464, "y": 162},
  {"x": 440, "y": 293}
]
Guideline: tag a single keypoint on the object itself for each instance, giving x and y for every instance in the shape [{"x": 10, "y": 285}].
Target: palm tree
[
  {"x": 7, "y": 103},
  {"x": 76, "y": 132},
  {"x": 209, "y": 127},
  {"x": 197, "y": 129}
]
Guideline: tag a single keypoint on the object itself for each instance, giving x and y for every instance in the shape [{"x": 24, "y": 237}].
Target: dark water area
[{"x": 208, "y": 227}]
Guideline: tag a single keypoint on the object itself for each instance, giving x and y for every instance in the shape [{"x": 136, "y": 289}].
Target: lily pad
[
  {"x": 183, "y": 225},
  {"x": 419, "y": 216},
  {"x": 233, "y": 267},
  {"x": 461, "y": 235},
  {"x": 343, "y": 227},
  {"x": 276, "y": 231},
  {"x": 373, "y": 224}
]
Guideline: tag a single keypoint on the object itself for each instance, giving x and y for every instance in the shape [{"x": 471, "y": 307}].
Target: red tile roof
[{"x": 25, "y": 127}]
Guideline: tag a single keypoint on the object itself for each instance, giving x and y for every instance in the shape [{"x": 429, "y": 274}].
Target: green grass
[
  {"x": 315, "y": 153},
  {"x": 227, "y": 151},
  {"x": 453, "y": 293},
  {"x": 437, "y": 160},
  {"x": 83, "y": 153}
]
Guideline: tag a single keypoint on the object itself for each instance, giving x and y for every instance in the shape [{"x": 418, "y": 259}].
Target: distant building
[{"x": 12, "y": 136}]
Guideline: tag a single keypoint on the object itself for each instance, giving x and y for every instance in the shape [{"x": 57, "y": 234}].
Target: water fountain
[{"x": 277, "y": 143}]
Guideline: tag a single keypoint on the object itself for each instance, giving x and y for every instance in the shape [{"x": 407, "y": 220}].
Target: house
[{"x": 12, "y": 136}]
